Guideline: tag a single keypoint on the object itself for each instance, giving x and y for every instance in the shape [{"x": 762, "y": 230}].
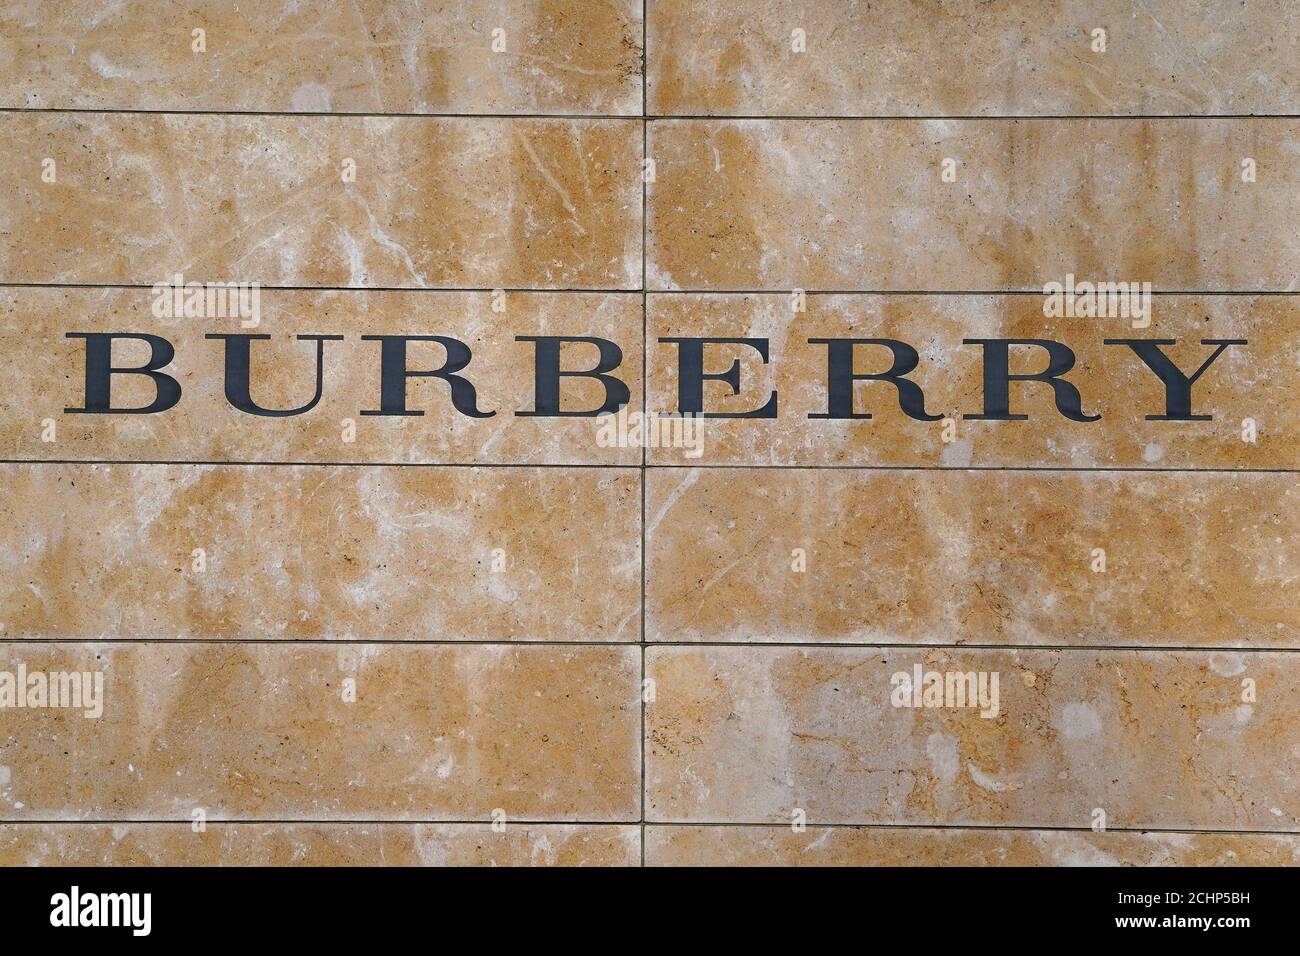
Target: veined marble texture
[
  {"x": 1000, "y": 57},
  {"x": 1009, "y": 557},
  {"x": 439, "y": 202},
  {"x": 370, "y": 56},
  {"x": 1154, "y": 739},
  {"x": 864, "y": 204},
  {"x": 307, "y": 526}
]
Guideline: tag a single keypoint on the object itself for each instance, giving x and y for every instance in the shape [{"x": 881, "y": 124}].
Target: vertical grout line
[{"x": 645, "y": 364}]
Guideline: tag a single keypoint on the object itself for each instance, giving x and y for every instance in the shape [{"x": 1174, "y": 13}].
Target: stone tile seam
[
  {"x": 652, "y": 644},
  {"x": 645, "y": 338},
  {"x": 210, "y": 462},
  {"x": 734, "y": 824},
  {"x": 108, "y": 111},
  {"x": 638, "y": 291},
  {"x": 666, "y": 117}
]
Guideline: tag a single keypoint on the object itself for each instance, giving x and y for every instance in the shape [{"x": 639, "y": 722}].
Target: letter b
[{"x": 100, "y": 372}]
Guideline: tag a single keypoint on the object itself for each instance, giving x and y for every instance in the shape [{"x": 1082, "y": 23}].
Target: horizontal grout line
[
  {"x": 328, "y": 288},
  {"x": 360, "y": 114},
  {"x": 951, "y": 468},
  {"x": 323, "y": 641},
  {"x": 929, "y": 645},
  {"x": 486, "y": 821},
  {"x": 652, "y": 644},
  {"x": 637, "y": 290},
  {"x": 634, "y": 466},
  {"x": 968, "y": 826},
  {"x": 954, "y": 292},
  {"x": 679, "y": 824},
  {"x": 961, "y": 117},
  {"x": 653, "y": 117},
  {"x": 631, "y": 466}
]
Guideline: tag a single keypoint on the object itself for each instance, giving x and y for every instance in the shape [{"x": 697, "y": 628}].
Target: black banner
[{"x": 335, "y": 906}]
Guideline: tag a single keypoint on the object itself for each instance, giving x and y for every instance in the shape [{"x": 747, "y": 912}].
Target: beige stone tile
[
  {"x": 972, "y": 557},
  {"x": 560, "y": 56},
  {"x": 48, "y": 376},
  {"x": 435, "y": 202},
  {"x": 1258, "y": 380},
  {"x": 855, "y": 846},
  {"x": 319, "y": 844},
  {"x": 843, "y": 205},
  {"x": 263, "y": 732},
  {"x": 1154, "y": 739},
  {"x": 319, "y": 552},
  {"x": 970, "y": 57}
]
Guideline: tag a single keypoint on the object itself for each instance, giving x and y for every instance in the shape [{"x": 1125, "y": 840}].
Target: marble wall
[{"x": 313, "y": 549}]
